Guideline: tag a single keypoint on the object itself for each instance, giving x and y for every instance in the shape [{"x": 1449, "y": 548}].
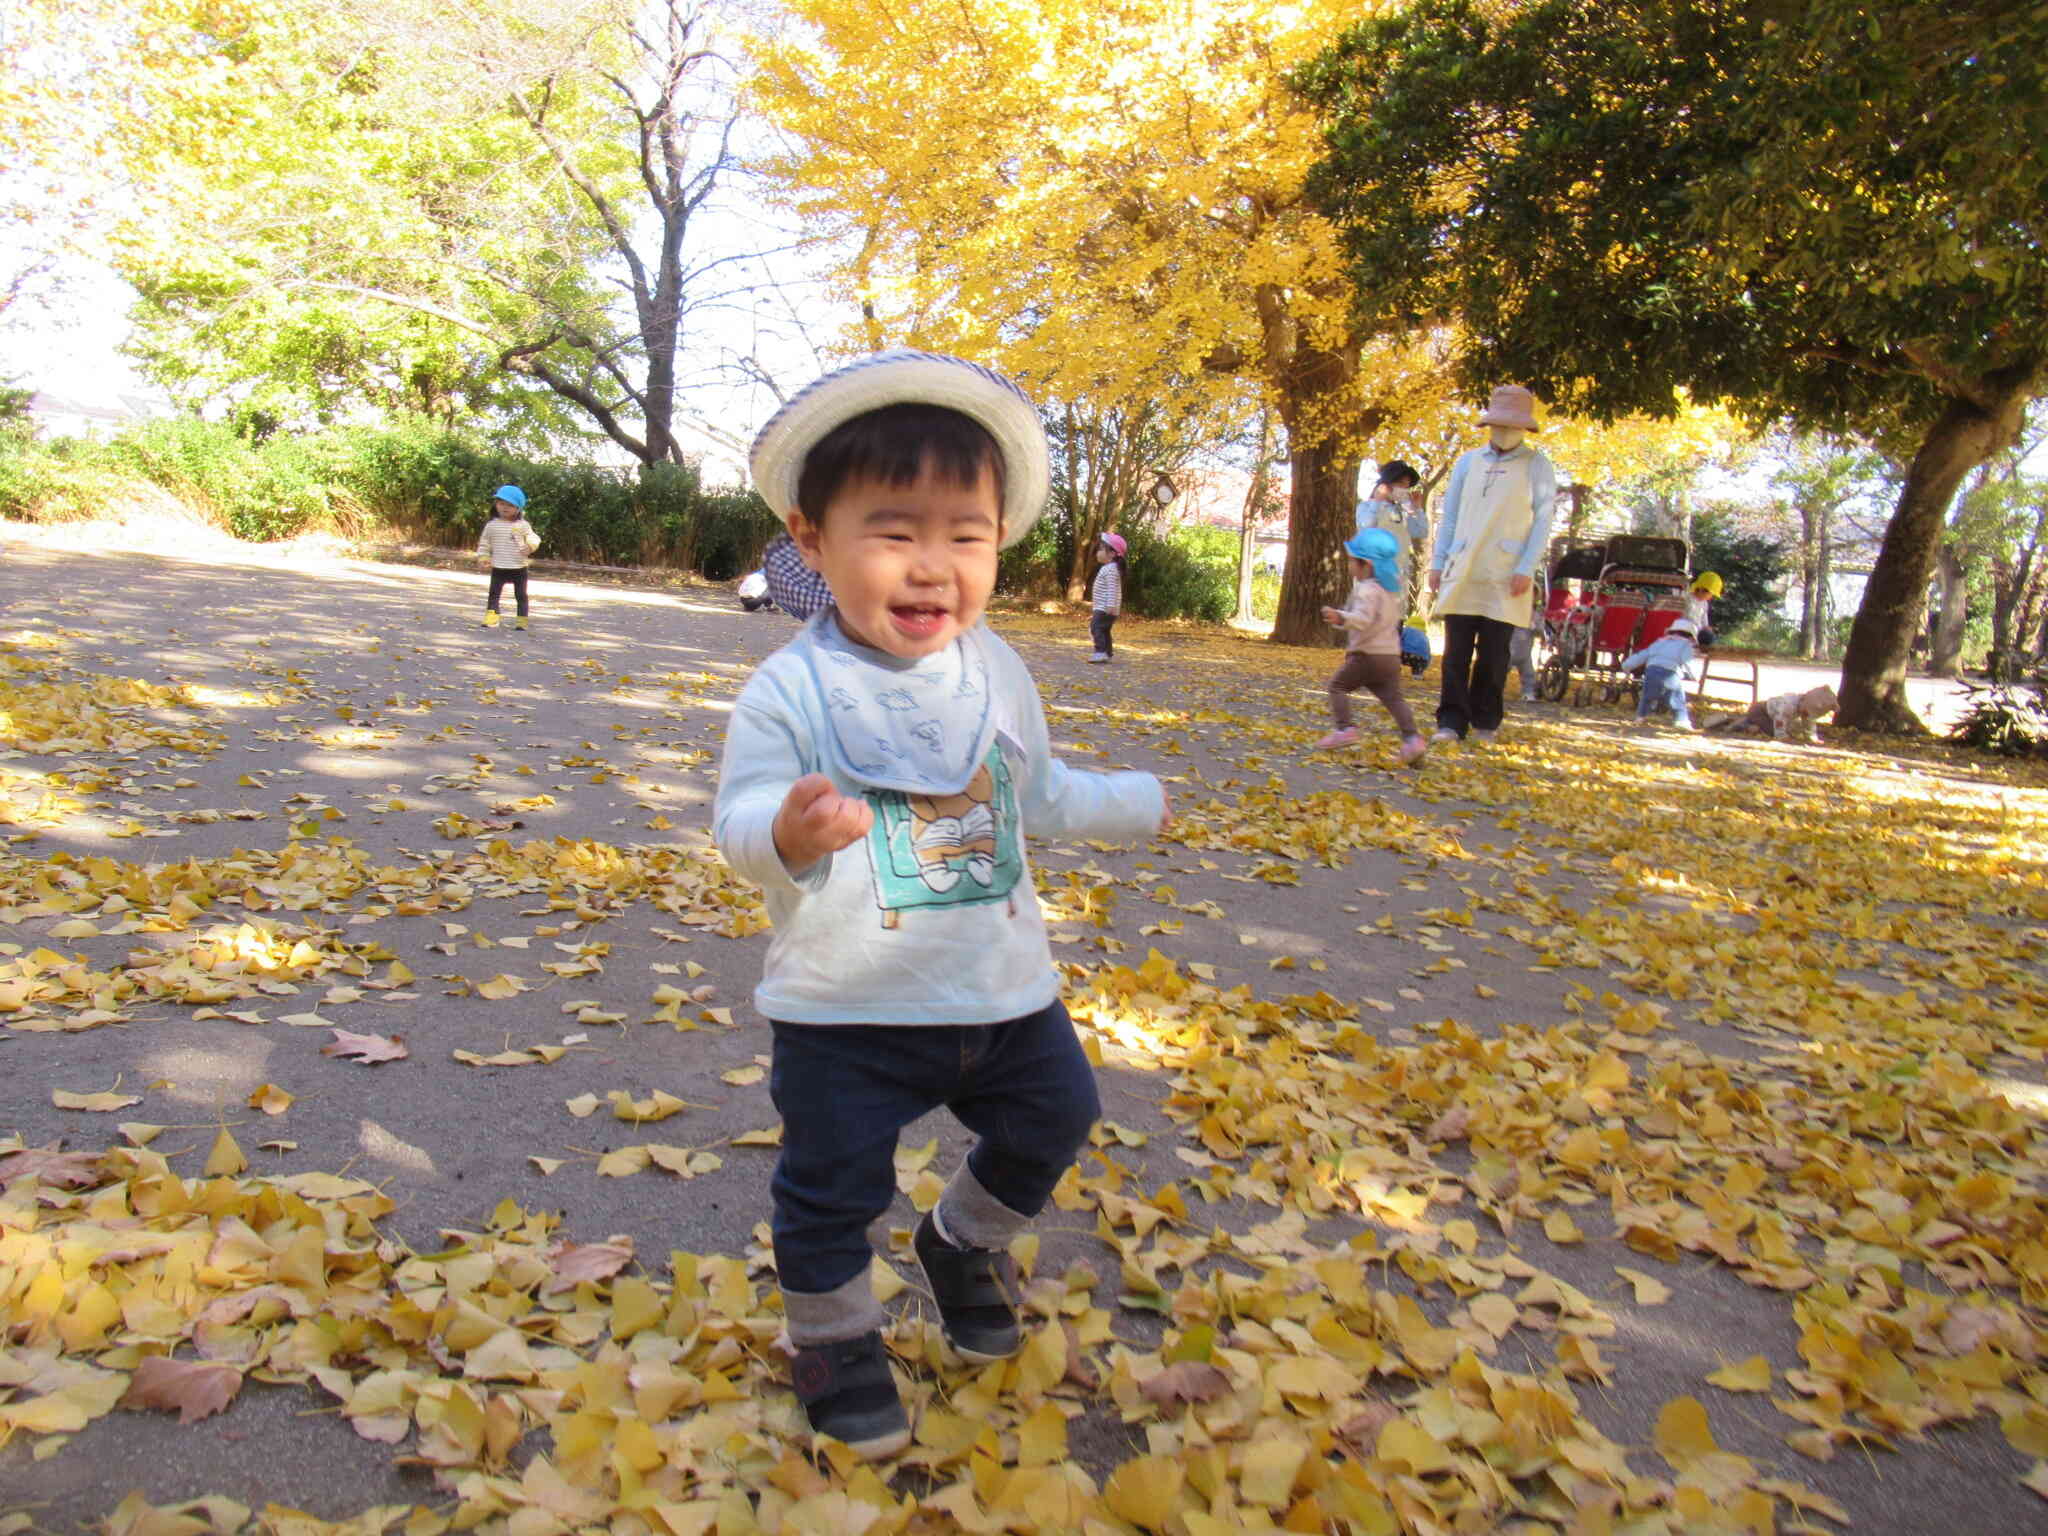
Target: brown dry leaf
[
  {"x": 1189, "y": 1381},
  {"x": 350, "y": 1046},
  {"x": 571, "y": 1264},
  {"x": 59, "y": 1170},
  {"x": 193, "y": 1389}
]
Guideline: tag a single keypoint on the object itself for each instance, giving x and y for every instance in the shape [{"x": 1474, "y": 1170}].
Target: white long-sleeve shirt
[
  {"x": 932, "y": 917},
  {"x": 508, "y": 543}
]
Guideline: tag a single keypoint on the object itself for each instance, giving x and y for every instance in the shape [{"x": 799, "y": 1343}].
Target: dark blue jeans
[
  {"x": 845, "y": 1090},
  {"x": 1099, "y": 626}
]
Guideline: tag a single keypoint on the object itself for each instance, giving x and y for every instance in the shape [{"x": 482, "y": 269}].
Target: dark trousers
[
  {"x": 1379, "y": 676},
  {"x": 500, "y": 580},
  {"x": 1099, "y": 626},
  {"x": 845, "y": 1090},
  {"x": 1475, "y": 673}
]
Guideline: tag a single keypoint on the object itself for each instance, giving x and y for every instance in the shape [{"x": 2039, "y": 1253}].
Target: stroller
[{"x": 1632, "y": 588}]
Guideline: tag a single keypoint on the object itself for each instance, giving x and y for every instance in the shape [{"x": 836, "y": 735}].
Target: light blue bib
[{"x": 921, "y": 727}]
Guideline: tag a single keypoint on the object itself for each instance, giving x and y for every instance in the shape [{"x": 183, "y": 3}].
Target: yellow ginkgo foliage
[{"x": 1106, "y": 199}]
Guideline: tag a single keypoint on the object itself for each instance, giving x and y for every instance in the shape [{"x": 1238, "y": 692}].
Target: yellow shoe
[
  {"x": 490, "y": 619},
  {"x": 520, "y": 622}
]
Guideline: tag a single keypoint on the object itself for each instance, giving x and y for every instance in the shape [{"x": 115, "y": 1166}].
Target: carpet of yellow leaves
[{"x": 1810, "y": 1054}]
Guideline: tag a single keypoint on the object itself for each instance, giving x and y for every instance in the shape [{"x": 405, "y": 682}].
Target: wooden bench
[{"x": 1740, "y": 668}]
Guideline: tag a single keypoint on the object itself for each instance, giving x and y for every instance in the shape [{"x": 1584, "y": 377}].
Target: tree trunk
[
  {"x": 1319, "y": 512},
  {"x": 1945, "y": 645},
  {"x": 1824, "y": 594},
  {"x": 1254, "y": 504},
  {"x": 1809, "y": 583},
  {"x": 1881, "y": 640}
]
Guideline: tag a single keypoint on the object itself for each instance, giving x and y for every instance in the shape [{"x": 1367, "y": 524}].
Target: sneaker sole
[{"x": 870, "y": 1450}]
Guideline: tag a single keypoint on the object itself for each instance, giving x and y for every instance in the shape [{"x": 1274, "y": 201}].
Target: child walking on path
[
  {"x": 508, "y": 539},
  {"x": 881, "y": 773},
  {"x": 1372, "y": 655},
  {"x": 1663, "y": 663},
  {"x": 1108, "y": 596}
]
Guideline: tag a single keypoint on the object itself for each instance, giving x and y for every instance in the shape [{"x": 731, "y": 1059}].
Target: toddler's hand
[
  {"x": 1165, "y": 809},
  {"x": 816, "y": 819},
  {"x": 1332, "y": 616}
]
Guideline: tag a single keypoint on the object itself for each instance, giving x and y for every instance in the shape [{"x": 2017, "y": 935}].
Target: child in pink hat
[{"x": 1108, "y": 596}]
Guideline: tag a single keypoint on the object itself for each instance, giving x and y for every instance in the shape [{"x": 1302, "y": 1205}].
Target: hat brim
[
  {"x": 900, "y": 378},
  {"x": 1526, "y": 423}
]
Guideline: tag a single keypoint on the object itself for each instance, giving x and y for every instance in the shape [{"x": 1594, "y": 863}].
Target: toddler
[
  {"x": 1108, "y": 596},
  {"x": 1663, "y": 663},
  {"x": 1372, "y": 654},
  {"x": 508, "y": 539},
  {"x": 881, "y": 772}
]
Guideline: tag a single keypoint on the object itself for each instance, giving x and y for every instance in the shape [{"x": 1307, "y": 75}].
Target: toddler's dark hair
[
  {"x": 1394, "y": 472},
  {"x": 894, "y": 445}
]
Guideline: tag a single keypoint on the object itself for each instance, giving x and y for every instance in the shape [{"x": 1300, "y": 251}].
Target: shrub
[
  {"x": 1751, "y": 566},
  {"x": 410, "y": 476},
  {"x": 2009, "y": 719},
  {"x": 1186, "y": 573},
  {"x": 270, "y": 492}
]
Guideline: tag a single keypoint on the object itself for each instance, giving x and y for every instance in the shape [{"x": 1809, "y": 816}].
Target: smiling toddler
[{"x": 880, "y": 774}]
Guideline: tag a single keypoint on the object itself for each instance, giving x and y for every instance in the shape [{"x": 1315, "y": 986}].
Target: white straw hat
[{"x": 904, "y": 377}]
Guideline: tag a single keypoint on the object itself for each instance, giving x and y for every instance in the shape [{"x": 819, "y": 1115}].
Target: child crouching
[
  {"x": 1663, "y": 663},
  {"x": 881, "y": 773},
  {"x": 1372, "y": 654}
]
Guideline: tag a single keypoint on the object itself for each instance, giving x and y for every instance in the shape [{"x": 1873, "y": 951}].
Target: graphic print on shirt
[{"x": 947, "y": 850}]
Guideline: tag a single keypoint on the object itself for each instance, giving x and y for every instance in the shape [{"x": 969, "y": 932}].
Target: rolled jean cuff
[
  {"x": 975, "y": 1218},
  {"x": 827, "y": 1317}
]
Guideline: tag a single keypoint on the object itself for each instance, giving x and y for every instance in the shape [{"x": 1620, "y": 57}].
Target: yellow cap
[{"x": 1708, "y": 583}]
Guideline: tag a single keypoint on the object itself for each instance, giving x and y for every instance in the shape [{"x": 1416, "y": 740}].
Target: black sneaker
[
  {"x": 973, "y": 1287},
  {"x": 848, "y": 1394}
]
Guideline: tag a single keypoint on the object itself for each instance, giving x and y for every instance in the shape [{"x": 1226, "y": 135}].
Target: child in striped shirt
[
  {"x": 507, "y": 540},
  {"x": 1108, "y": 597}
]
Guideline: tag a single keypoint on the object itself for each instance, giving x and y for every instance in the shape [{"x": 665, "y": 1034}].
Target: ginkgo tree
[{"x": 1106, "y": 200}]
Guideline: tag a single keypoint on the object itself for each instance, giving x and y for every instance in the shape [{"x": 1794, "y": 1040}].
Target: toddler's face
[
  {"x": 911, "y": 567},
  {"x": 505, "y": 509}
]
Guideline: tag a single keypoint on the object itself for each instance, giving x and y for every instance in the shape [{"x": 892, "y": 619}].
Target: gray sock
[
  {"x": 827, "y": 1317},
  {"x": 968, "y": 1216}
]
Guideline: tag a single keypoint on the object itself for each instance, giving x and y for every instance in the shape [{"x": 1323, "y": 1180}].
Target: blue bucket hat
[
  {"x": 1378, "y": 546},
  {"x": 510, "y": 493}
]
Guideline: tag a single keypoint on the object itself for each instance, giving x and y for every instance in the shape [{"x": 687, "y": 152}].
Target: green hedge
[{"x": 410, "y": 478}]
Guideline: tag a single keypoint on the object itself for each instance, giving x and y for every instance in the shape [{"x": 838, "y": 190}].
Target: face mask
[{"x": 1505, "y": 438}]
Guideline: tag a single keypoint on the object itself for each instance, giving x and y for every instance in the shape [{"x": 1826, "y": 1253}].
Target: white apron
[{"x": 1494, "y": 515}]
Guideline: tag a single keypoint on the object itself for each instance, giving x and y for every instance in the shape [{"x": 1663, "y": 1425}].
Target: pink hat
[
  {"x": 1116, "y": 542},
  {"x": 1511, "y": 406}
]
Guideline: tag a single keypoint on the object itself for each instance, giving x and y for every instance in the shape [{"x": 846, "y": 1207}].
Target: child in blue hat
[
  {"x": 1372, "y": 655},
  {"x": 508, "y": 540}
]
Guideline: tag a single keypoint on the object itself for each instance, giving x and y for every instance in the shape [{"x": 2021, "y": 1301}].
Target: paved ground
[{"x": 524, "y": 814}]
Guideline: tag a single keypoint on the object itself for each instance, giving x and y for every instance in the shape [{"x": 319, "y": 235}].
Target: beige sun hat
[
  {"x": 1511, "y": 406},
  {"x": 904, "y": 377}
]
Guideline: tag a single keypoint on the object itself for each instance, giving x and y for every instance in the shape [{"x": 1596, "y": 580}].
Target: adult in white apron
[
  {"x": 1394, "y": 506},
  {"x": 1491, "y": 531}
]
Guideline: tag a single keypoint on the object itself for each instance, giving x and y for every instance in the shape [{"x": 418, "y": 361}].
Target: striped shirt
[
  {"x": 1109, "y": 589},
  {"x": 508, "y": 543}
]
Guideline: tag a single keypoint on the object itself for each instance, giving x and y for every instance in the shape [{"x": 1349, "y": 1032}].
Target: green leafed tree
[
  {"x": 1827, "y": 213},
  {"x": 484, "y": 210}
]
